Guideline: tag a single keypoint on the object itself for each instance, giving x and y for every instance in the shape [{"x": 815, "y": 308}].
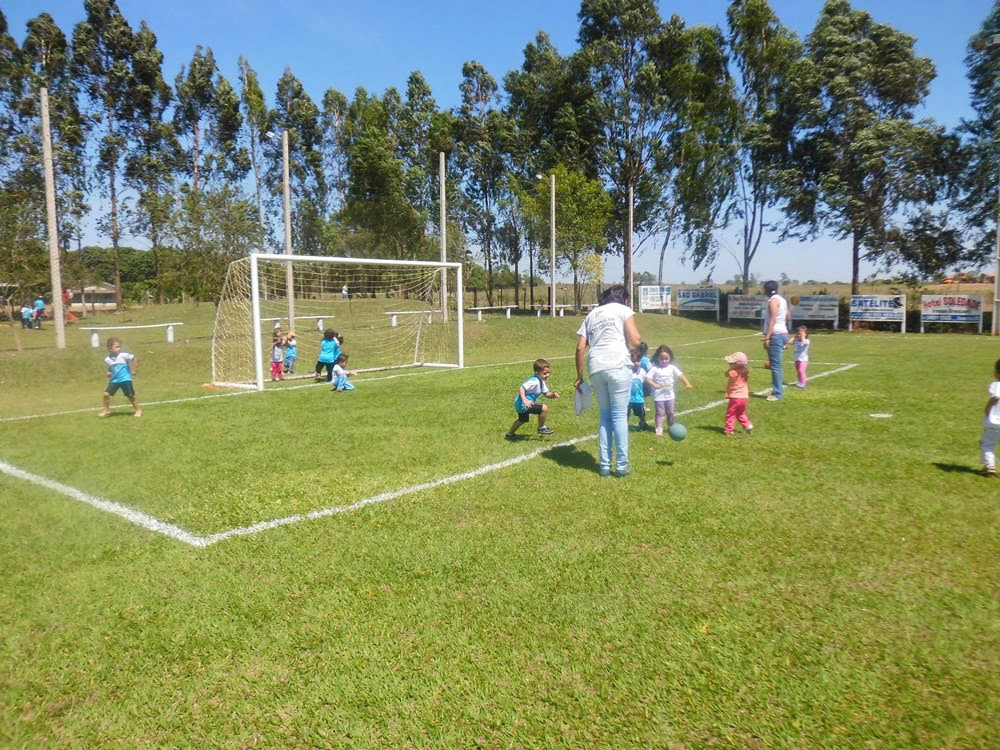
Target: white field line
[
  {"x": 175, "y": 532},
  {"x": 234, "y": 394},
  {"x": 139, "y": 518}
]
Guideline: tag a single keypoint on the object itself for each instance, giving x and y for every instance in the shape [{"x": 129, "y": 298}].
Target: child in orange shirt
[{"x": 738, "y": 392}]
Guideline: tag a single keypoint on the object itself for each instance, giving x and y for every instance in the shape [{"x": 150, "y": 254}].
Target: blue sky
[{"x": 378, "y": 43}]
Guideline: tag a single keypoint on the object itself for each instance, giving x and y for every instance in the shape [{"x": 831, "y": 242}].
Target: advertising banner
[
  {"x": 654, "y": 298},
  {"x": 951, "y": 308},
  {"x": 815, "y": 307},
  {"x": 889, "y": 308},
  {"x": 746, "y": 306},
  {"x": 698, "y": 300}
]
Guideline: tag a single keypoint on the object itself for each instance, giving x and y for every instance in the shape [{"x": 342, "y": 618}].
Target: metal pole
[
  {"x": 50, "y": 206},
  {"x": 631, "y": 271},
  {"x": 258, "y": 346},
  {"x": 552, "y": 240},
  {"x": 442, "y": 221},
  {"x": 289, "y": 278}
]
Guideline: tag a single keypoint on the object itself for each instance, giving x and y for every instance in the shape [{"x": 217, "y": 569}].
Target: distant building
[{"x": 95, "y": 297}]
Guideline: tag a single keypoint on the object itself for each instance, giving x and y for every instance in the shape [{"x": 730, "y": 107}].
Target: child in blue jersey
[
  {"x": 329, "y": 350},
  {"x": 637, "y": 400},
  {"x": 121, "y": 368},
  {"x": 291, "y": 353},
  {"x": 530, "y": 391},
  {"x": 341, "y": 373},
  {"x": 25, "y": 315}
]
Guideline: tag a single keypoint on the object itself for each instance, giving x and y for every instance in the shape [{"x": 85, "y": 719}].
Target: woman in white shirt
[
  {"x": 605, "y": 338},
  {"x": 777, "y": 322}
]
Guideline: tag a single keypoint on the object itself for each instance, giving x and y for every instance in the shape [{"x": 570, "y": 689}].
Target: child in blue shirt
[
  {"x": 530, "y": 391},
  {"x": 121, "y": 368},
  {"x": 637, "y": 399},
  {"x": 329, "y": 350},
  {"x": 25, "y": 315},
  {"x": 291, "y": 353}
]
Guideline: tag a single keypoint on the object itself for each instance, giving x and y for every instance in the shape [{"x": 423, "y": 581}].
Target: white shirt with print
[
  {"x": 604, "y": 329},
  {"x": 665, "y": 377}
]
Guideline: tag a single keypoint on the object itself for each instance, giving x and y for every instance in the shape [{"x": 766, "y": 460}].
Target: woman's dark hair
[
  {"x": 770, "y": 288},
  {"x": 617, "y": 293},
  {"x": 342, "y": 358}
]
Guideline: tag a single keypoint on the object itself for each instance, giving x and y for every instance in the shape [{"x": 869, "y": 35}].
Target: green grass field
[{"x": 829, "y": 582}]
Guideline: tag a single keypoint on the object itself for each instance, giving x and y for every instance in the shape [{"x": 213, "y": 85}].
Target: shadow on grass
[
  {"x": 957, "y": 468},
  {"x": 572, "y": 457},
  {"x": 711, "y": 428}
]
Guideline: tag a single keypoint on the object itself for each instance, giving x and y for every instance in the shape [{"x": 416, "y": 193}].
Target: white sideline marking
[
  {"x": 234, "y": 394},
  {"x": 129, "y": 514},
  {"x": 176, "y": 532}
]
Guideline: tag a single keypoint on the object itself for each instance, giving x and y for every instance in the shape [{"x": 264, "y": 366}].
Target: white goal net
[{"x": 388, "y": 313}]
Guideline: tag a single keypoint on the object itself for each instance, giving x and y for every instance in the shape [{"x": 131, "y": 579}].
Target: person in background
[
  {"x": 801, "y": 355},
  {"x": 991, "y": 426},
  {"x": 738, "y": 392}
]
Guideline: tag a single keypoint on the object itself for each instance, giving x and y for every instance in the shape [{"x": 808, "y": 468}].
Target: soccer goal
[{"x": 390, "y": 313}]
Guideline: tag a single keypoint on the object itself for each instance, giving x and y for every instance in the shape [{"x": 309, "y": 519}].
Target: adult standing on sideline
[
  {"x": 777, "y": 323},
  {"x": 606, "y": 336}
]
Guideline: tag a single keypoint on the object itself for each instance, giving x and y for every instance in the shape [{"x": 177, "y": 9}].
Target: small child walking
[
  {"x": 25, "y": 315},
  {"x": 277, "y": 359},
  {"x": 530, "y": 391},
  {"x": 121, "y": 368},
  {"x": 329, "y": 351},
  {"x": 637, "y": 399},
  {"x": 801, "y": 355},
  {"x": 661, "y": 378},
  {"x": 341, "y": 373},
  {"x": 738, "y": 392},
  {"x": 291, "y": 352},
  {"x": 991, "y": 426}
]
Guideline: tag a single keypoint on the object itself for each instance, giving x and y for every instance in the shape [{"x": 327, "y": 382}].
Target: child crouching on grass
[
  {"x": 529, "y": 392},
  {"x": 121, "y": 368},
  {"x": 341, "y": 373}
]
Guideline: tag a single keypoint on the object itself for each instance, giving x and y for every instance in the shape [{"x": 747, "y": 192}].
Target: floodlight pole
[
  {"x": 552, "y": 239},
  {"x": 289, "y": 278},
  {"x": 444, "y": 239},
  {"x": 50, "y": 209}
]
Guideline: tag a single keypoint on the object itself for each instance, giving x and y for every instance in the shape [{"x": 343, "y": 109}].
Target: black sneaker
[
  {"x": 545, "y": 431},
  {"x": 508, "y": 436}
]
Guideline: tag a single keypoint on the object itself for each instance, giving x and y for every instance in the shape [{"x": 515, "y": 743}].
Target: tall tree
[
  {"x": 334, "y": 157},
  {"x": 103, "y": 46},
  {"x": 862, "y": 159},
  {"x": 981, "y": 137},
  {"x": 768, "y": 57},
  {"x": 255, "y": 115},
  {"x": 483, "y": 132},
  {"x": 155, "y": 153},
  {"x": 195, "y": 102}
]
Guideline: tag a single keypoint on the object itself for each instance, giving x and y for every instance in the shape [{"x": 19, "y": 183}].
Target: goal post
[{"x": 390, "y": 313}]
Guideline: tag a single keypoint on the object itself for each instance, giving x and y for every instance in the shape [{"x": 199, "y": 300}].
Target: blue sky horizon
[{"x": 377, "y": 45}]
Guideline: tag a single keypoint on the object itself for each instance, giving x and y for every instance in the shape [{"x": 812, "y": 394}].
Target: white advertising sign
[
  {"x": 815, "y": 307},
  {"x": 951, "y": 308},
  {"x": 889, "y": 308},
  {"x": 746, "y": 306},
  {"x": 698, "y": 300},
  {"x": 654, "y": 298}
]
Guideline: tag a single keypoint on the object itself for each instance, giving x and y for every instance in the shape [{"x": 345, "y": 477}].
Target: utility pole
[
  {"x": 443, "y": 223},
  {"x": 50, "y": 205},
  {"x": 289, "y": 277}
]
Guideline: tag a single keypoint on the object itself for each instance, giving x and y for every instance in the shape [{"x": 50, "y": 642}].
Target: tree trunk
[
  {"x": 627, "y": 259},
  {"x": 194, "y": 156},
  {"x": 114, "y": 238},
  {"x": 531, "y": 275},
  {"x": 13, "y": 328},
  {"x": 855, "y": 261}
]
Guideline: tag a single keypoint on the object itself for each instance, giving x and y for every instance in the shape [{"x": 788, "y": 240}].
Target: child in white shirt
[
  {"x": 991, "y": 426},
  {"x": 801, "y": 355},
  {"x": 341, "y": 373},
  {"x": 661, "y": 377}
]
